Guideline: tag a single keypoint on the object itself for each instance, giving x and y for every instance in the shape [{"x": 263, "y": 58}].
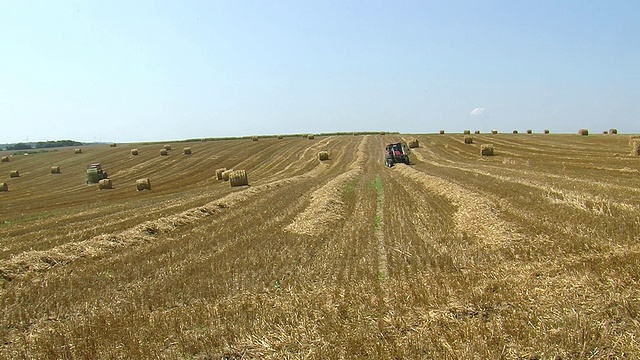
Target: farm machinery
[
  {"x": 396, "y": 153},
  {"x": 95, "y": 173}
]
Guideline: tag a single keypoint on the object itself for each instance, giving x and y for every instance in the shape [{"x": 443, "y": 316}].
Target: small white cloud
[{"x": 477, "y": 111}]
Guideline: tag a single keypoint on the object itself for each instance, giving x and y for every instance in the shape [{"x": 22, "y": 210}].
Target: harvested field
[{"x": 530, "y": 253}]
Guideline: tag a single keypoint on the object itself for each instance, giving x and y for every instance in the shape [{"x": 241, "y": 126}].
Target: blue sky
[{"x": 129, "y": 71}]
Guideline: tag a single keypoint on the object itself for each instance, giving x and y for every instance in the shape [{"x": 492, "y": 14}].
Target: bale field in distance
[{"x": 528, "y": 254}]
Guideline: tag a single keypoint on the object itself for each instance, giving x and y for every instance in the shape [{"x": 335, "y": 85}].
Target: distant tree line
[{"x": 43, "y": 144}]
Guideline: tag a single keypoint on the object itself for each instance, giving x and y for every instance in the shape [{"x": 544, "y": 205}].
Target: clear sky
[{"x": 130, "y": 71}]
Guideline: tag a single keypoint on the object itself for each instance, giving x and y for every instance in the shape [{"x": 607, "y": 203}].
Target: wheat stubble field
[{"x": 532, "y": 253}]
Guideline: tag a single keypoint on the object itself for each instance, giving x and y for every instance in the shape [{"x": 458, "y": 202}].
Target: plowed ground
[{"x": 532, "y": 253}]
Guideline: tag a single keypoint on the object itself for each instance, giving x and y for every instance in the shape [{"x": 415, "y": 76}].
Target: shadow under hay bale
[
  {"x": 323, "y": 155},
  {"x": 219, "y": 173},
  {"x": 486, "y": 149},
  {"x": 143, "y": 184},
  {"x": 238, "y": 178},
  {"x": 105, "y": 184}
]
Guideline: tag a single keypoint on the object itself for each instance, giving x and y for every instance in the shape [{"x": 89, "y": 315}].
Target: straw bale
[
  {"x": 254, "y": 138},
  {"x": 4, "y": 187},
  {"x": 486, "y": 149},
  {"x": 468, "y": 140},
  {"x": 477, "y": 132},
  {"x": 219, "y": 173},
  {"x": 583, "y": 132},
  {"x": 143, "y": 184},
  {"x": 5, "y": 159},
  {"x": 467, "y": 132},
  {"x": 323, "y": 155},
  {"x": 515, "y": 131},
  {"x": 78, "y": 151},
  {"x": 105, "y": 184},
  {"x": 613, "y": 131},
  {"x": 635, "y": 147},
  {"x": 225, "y": 174},
  {"x": 134, "y": 152},
  {"x": 55, "y": 169},
  {"x": 546, "y": 131},
  {"x": 167, "y": 147},
  {"x": 164, "y": 152},
  {"x": 113, "y": 145},
  {"x": 14, "y": 173},
  {"x": 310, "y": 136},
  {"x": 238, "y": 178},
  {"x": 494, "y": 131},
  {"x": 186, "y": 151},
  {"x": 529, "y": 131},
  {"x": 441, "y": 132},
  {"x": 414, "y": 144}
]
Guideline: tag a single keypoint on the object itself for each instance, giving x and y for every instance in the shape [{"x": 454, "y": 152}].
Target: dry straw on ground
[
  {"x": 583, "y": 132},
  {"x": 4, "y": 187},
  {"x": 441, "y": 132},
  {"x": 613, "y": 131},
  {"x": 486, "y": 149},
  {"x": 78, "y": 151},
  {"x": 143, "y": 184},
  {"x": 186, "y": 150},
  {"x": 494, "y": 131},
  {"x": 5, "y": 159},
  {"x": 468, "y": 140},
  {"x": 55, "y": 169},
  {"x": 167, "y": 147},
  {"x": 14, "y": 174},
  {"x": 164, "y": 152},
  {"x": 134, "y": 152},
  {"x": 219, "y": 173},
  {"x": 323, "y": 155},
  {"x": 466, "y": 132},
  {"x": 225, "y": 174},
  {"x": 414, "y": 144},
  {"x": 238, "y": 178},
  {"x": 105, "y": 184}
]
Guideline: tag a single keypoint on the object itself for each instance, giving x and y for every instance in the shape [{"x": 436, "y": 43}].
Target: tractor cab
[
  {"x": 396, "y": 153},
  {"x": 95, "y": 173}
]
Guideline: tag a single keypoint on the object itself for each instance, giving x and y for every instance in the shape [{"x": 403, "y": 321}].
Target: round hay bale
[
  {"x": 613, "y": 131},
  {"x": 414, "y": 144},
  {"x": 468, "y": 140},
  {"x": 254, "y": 138},
  {"x": 635, "y": 147},
  {"x": 323, "y": 155},
  {"x": 238, "y": 178},
  {"x": 167, "y": 147},
  {"x": 583, "y": 132},
  {"x": 467, "y": 132},
  {"x": 605, "y": 132},
  {"x": 219, "y": 173},
  {"x": 134, "y": 152},
  {"x": 310, "y": 136},
  {"x": 113, "y": 145},
  {"x": 515, "y": 132},
  {"x": 14, "y": 173},
  {"x": 78, "y": 151},
  {"x": 5, "y": 159},
  {"x": 383, "y": 133},
  {"x": 105, "y": 184},
  {"x": 187, "y": 151},
  {"x": 55, "y": 169},
  {"x": 280, "y": 137},
  {"x": 494, "y": 131},
  {"x": 441, "y": 132},
  {"x": 477, "y": 132},
  {"x": 143, "y": 184},
  {"x": 486, "y": 149},
  {"x": 529, "y": 131},
  {"x": 225, "y": 174},
  {"x": 305, "y": 135},
  {"x": 164, "y": 152},
  {"x": 546, "y": 131},
  {"x": 4, "y": 187}
]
